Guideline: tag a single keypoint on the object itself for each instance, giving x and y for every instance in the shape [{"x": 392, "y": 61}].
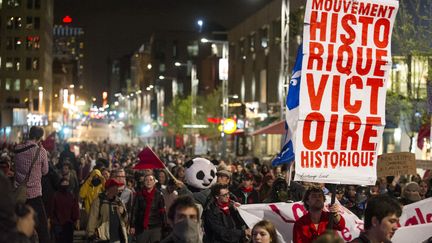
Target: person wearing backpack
[
  {"x": 108, "y": 217},
  {"x": 31, "y": 163}
]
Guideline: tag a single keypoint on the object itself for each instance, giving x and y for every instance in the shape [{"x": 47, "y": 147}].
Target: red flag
[
  {"x": 49, "y": 142},
  {"x": 423, "y": 133},
  {"x": 148, "y": 160}
]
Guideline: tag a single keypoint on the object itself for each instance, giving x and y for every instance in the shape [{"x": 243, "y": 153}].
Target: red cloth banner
[{"x": 148, "y": 160}]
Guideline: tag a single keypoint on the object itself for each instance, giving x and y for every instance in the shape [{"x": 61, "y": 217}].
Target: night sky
[{"x": 114, "y": 28}]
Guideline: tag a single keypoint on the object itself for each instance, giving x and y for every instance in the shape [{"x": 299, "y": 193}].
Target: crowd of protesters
[{"x": 93, "y": 187}]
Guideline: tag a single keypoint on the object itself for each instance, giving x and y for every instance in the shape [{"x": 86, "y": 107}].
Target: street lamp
[{"x": 223, "y": 75}]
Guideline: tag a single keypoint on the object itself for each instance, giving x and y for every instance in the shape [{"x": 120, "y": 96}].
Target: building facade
[{"x": 25, "y": 60}]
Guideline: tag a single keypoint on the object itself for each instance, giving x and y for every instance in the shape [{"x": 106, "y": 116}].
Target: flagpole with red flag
[{"x": 149, "y": 160}]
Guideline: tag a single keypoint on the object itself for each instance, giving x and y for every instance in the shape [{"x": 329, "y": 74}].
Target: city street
[{"x": 99, "y": 132}]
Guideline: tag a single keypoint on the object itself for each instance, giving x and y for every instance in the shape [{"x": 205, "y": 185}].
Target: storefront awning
[{"x": 277, "y": 127}]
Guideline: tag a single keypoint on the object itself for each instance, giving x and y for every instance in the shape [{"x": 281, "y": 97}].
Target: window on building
[
  {"x": 29, "y": 23},
  {"x": 10, "y": 23},
  {"x": 192, "y": 50},
  {"x": 17, "y": 23},
  {"x": 252, "y": 42},
  {"x": 264, "y": 38},
  {"x": 36, "y": 23},
  {"x": 175, "y": 50},
  {"x": 17, "y": 84},
  {"x": 37, "y": 4},
  {"x": 241, "y": 48},
  {"x": 13, "y": 3},
  {"x": 32, "y": 42},
  {"x": 162, "y": 67},
  {"x": 28, "y": 63},
  {"x": 35, "y": 63},
  {"x": 8, "y": 84},
  {"x": 35, "y": 84},
  {"x": 17, "y": 43},
  {"x": 9, "y": 43},
  {"x": 81, "y": 45},
  {"x": 17, "y": 63},
  {"x": 276, "y": 30},
  {"x": 28, "y": 84},
  {"x": 9, "y": 64}
]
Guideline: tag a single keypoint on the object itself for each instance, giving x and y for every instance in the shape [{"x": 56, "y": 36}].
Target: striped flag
[{"x": 292, "y": 113}]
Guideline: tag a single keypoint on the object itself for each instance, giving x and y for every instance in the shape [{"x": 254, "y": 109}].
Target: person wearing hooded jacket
[
  {"x": 92, "y": 186},
  {"x": 108, "y": 217}
]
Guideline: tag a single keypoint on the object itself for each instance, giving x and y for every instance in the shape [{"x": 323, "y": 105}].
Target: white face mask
[{"x": 187, "y": 231}]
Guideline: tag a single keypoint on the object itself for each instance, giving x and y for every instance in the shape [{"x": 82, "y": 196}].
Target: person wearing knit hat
[{"x": 410, "y": 193}]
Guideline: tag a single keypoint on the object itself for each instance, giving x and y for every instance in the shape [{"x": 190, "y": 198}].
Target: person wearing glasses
[{"x": 222, "y": 222}]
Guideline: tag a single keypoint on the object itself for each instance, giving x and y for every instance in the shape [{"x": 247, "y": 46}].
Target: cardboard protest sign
[
  {"x": 424, "y": 164},
  {"x": 394, "y": 164},
  {"x": 346, "y": 63}
]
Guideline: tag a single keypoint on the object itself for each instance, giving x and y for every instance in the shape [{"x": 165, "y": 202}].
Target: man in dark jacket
[
  {"x": 222, "y": 222},
  {"x": 148, "y": 217},
  {"x": 245, "y": 193},
  {"x": 68, "y": 155}
]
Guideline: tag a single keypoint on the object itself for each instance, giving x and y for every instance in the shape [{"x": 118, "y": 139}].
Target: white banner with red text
[
  {"x": 346, "y": 64},
  {"x": 284, "y": 215}
]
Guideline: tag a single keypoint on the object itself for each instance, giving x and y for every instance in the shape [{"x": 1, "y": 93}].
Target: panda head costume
[{"x": 200, "y": 174}]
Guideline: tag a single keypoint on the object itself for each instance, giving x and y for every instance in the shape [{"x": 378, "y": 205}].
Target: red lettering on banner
[
  {"x": 385, "y": 24},
  {"x": 420, "y": 215},
  {"x": 411, "y": 221},
  {"x": 276, "y": 210},
  {"x": 334, "y": 159},
  {"x": 346, "y": 235},
  {"x": 329, "y": 63},
  {"x": 380, "y": 62},
  {"x": 350, "y": 132},
  {"x": 365, "y": 21},
  {"x": 332, "y": 132},
  {"x": 367, "y": 67},
  {"x": 315, "y": 96},
  {"x": 375, "y": 84},
  {"x": 357, "y": 82},
  {"x": 350, "y": 37},
  {"x": 298, "y": 208},
  {"x": 317, "y": 118},
  {"x": 335, "y": 93},
  {"x": 320, "y": 25},
  {"x": 370, "y": 133},
  {"x": 318, "y": 161},
  {"x": 333, "y": 26},
  {"x": 316, "y": 51},
  {"x": 346, "y": 69}
]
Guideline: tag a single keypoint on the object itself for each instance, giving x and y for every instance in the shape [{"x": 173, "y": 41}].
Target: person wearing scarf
[
  {"x": 148, "y": 217},
  {"x": 222, "y": 222},
  {"x": 246, "y": 194}
]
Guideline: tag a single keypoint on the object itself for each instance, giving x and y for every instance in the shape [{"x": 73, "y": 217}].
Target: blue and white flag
[{"x": 292, "y": 113}]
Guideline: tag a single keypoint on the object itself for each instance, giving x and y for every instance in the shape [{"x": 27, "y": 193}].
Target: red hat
[{"x": 112, "y": 182}]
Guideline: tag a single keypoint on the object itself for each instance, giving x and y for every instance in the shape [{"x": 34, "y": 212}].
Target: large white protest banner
[
  {"x": 346, "y": 63},
  {"x": 284, "y": 215},
  {"x": 414, "y": 233},
  {"x": 417, "y": 213}
]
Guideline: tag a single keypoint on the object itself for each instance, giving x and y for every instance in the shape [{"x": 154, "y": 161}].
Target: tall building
[
  {"x": 68, "y": 67},
  {"x": 25, "y": 62},
  {"x": 69, "y": 47}
]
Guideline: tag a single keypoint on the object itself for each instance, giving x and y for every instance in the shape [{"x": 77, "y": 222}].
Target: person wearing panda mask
[{"x": 200, "y": 176}]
